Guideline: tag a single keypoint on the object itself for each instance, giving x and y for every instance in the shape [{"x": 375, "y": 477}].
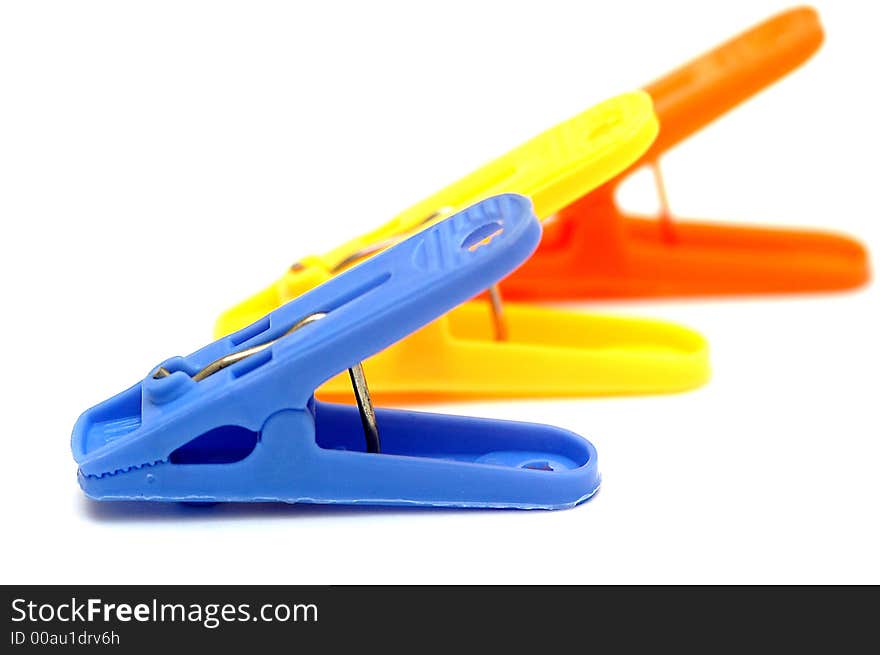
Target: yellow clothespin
[{"x": 484, "y": 350}]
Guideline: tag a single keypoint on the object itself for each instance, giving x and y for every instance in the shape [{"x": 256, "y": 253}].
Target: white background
[{"x": 163, "y": 160}]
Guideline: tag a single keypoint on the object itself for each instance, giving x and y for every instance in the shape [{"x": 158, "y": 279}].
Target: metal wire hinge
[{"x": 356, "y": 372}]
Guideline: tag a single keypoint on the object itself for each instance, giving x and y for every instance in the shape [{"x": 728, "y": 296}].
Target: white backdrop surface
[{"x": 160, "y": 161}]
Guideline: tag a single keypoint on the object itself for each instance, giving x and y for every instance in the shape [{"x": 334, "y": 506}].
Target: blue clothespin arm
[{"x": 253, "y": 431}]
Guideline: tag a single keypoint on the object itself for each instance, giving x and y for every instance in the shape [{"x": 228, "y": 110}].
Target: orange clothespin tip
[{"x": 591, "y": 249}]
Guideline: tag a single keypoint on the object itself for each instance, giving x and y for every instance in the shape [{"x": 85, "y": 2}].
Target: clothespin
[
  {"x": 593, "y": 250},
  {"x": 238, "y": 421},
  {"x": 484, "y": 349}
]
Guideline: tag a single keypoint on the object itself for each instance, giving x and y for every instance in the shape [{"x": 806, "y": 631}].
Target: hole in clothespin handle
[{"x": 482, "y": 236}]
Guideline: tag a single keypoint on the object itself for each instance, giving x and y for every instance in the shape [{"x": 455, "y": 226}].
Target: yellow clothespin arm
[
  {"x": 554, "y": 169},
  {"x": 484, "y": 350}
]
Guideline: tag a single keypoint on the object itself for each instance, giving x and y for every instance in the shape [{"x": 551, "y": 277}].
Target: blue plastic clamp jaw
[{"x": 253, "y": 431}]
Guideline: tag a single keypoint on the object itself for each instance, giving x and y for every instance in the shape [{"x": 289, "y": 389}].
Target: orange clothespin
[{"x": 591, "y": 249}]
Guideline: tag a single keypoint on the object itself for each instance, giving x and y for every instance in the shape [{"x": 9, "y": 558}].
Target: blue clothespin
[{"x": 237, "y": 420}]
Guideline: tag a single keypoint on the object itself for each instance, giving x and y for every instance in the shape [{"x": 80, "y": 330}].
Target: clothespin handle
[
  {"x": 697, "y": 93},
  {"x": 552, "y": 168},
  {"x": 378, "y": 302}
]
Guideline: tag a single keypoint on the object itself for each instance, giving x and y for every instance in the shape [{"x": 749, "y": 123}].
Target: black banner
[{"x": 140, "y": 619}]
